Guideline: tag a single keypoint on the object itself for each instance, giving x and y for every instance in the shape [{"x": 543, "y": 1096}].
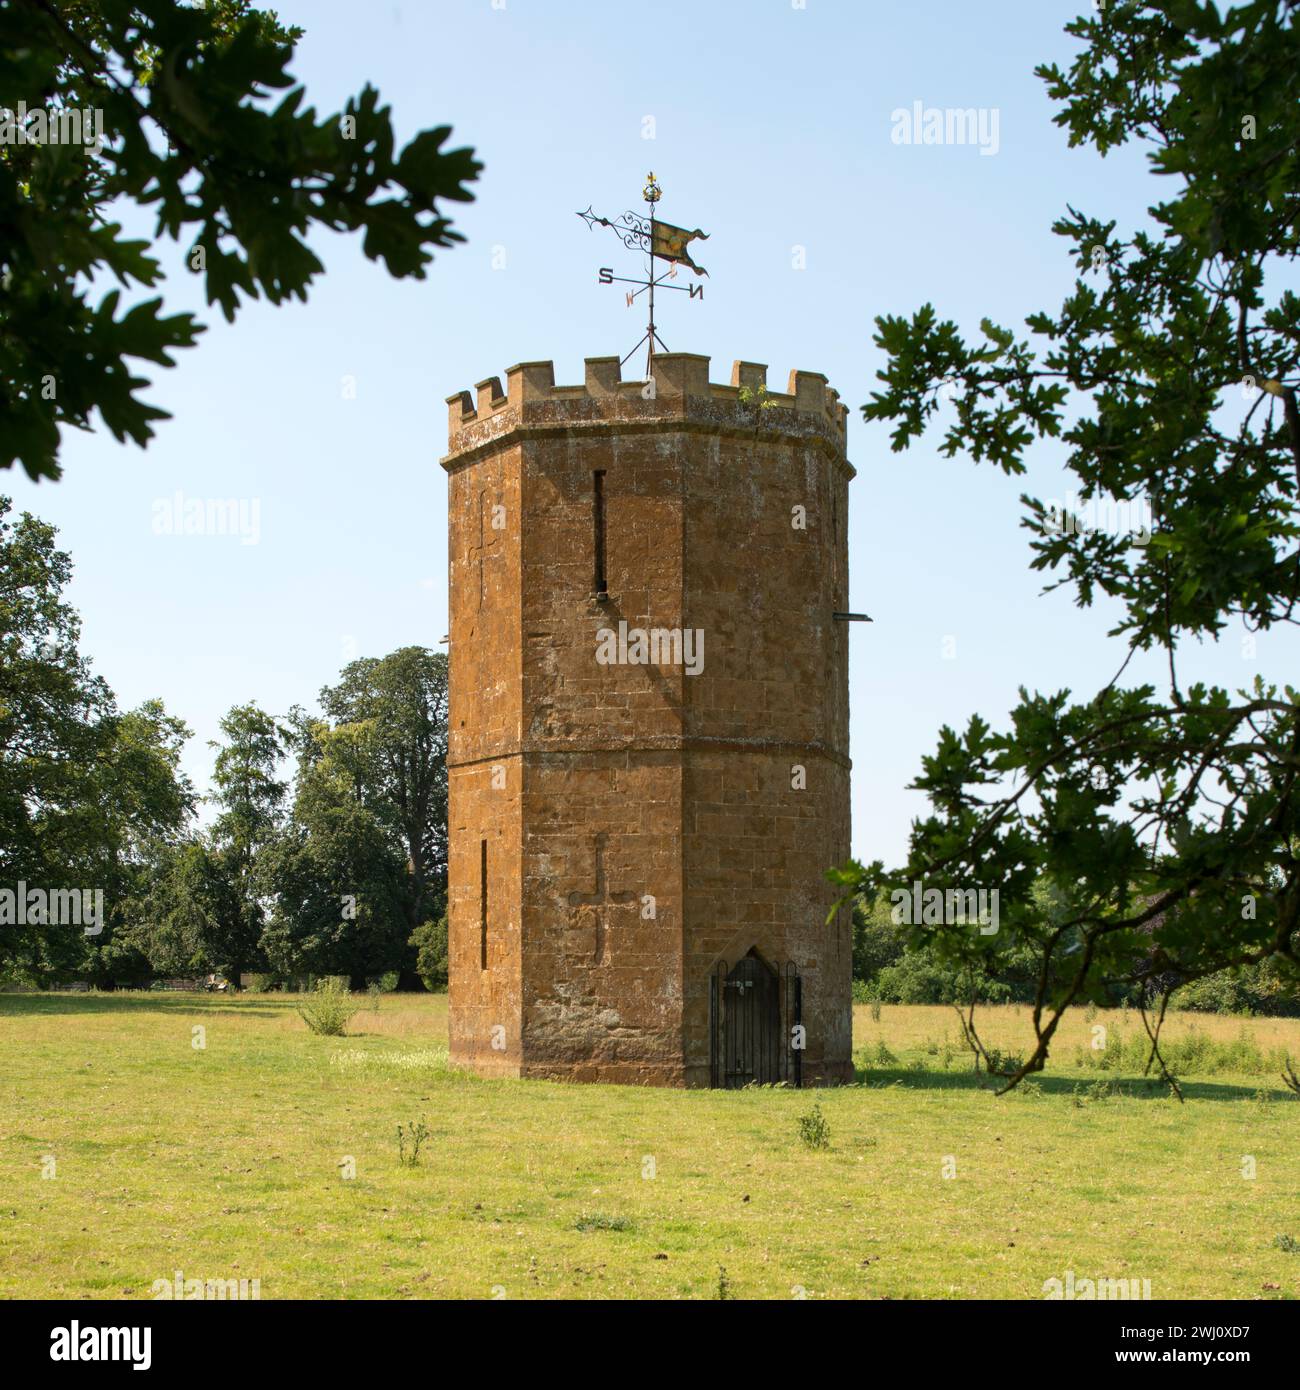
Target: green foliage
[
  {"x": 92, "y": 797},
  {"x": 1170, "y": 373},
  {"x": 815, "y": 1129},
  {"x": 249, "y": 794},
  {"x": 755, "y": 396},
  {"x": 193, "y": 915},
  {"x": 89, "y": 795},
  {"x": 599, "y": 1221},
  {"x": 430, "y": 942},
  {"x": 329, "y": 1008},
  {"x": 336, "y": 885},
  {"x": 410, "y": 1139},
  {"x": 388, "y": 742},
  {"x": 1265, "y": 988},
  {"x": 192, "y": 133},
  {"x": 877, "y": 941},
  {"x": 1194, "y": 1053}
]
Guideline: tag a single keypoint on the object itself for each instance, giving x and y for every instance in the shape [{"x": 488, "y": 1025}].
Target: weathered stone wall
[
  {"x": 484, "y": 770},
  {"x": 652, "y": 823}
]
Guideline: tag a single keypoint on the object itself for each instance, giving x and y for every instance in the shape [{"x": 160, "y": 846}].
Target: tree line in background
[
  {"x": 340, "y": 868},
  {"x": 899, "y": 964},
  {"x": 337, "y": 869}
]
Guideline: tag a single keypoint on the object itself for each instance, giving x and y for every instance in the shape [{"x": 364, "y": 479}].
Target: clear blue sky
[{"x": 772, "y": 130}]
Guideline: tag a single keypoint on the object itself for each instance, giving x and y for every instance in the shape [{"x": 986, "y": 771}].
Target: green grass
[{"x": 225, "y": 1163}]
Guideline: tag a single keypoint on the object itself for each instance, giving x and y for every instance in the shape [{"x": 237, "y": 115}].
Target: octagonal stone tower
[{"x": 648, "y": 753}]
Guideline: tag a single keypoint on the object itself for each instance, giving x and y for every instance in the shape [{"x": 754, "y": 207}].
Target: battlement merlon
[{"x": 682, "y": 391}]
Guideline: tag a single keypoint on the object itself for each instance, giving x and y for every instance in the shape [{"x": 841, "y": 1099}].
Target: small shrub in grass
[
  {"x": 376, "y": 995},
  {"x": 998, "y": 1063},
  {"x": 724, "y": 1284},
  {"x": 598, "y": 1221},
  {"x": 875, "y": 1011},
  {"x": 814, "y": 1129},
  {"x": 1288, "y": 1244},
  {"x": 1193, "y": 1054},
  {"x": 329, "y": 1008},
  {"x": 883, "y": 1055},
  {"x": 409, "y": 1140}
]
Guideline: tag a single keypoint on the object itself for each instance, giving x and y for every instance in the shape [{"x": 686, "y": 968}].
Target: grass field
[{"x": 228, "y": 1161}]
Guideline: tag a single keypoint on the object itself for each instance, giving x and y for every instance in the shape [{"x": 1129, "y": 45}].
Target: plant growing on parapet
[
  {"x": 757, "y": 397},
  {"x": 1164, "y": 819},
  {"x": 329, "y": 1008}
]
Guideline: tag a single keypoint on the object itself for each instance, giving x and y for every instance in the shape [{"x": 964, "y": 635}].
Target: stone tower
[{"x": 648, "y": 753}]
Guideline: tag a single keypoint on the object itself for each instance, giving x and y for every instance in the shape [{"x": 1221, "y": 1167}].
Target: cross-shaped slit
[{"x": 602, "y": 899}]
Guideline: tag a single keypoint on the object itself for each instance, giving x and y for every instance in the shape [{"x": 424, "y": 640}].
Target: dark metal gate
[{"x": 755, "y": 1025}]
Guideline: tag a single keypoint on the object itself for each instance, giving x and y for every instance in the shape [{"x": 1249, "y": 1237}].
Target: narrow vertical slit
[
  {"x": 598, "y": 518},
  {"x": 482, "y": 905}
]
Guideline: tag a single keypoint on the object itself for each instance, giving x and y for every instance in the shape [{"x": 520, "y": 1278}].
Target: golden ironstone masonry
[{"x": 638, "y": 847}]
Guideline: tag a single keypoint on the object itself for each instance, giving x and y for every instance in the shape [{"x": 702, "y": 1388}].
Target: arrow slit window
[
  {"x": 482, "y": 905},
  {"x": 598, "y": 522}
]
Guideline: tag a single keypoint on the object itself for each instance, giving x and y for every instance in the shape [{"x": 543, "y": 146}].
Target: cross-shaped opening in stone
[
  {"x": 601, "y": 900},
  {"x": 478, "y": 550}
]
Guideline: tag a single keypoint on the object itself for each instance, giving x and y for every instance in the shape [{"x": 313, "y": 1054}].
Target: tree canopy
[
  {"x": 167, "y": 106},
  {"x": 1163, "y": 818}
]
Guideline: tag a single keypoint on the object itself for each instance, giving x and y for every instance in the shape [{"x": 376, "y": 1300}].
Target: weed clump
[{"x": 329, "y": 1008}]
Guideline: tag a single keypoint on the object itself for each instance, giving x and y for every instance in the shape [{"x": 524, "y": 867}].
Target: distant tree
[
  {"x": 191, "y": 918},
  {"x": 136, "y": 803},
  {"x": 87, "y": 793},
  {"x": 336, "y": 880},
  {"x": 190, "y": 136},
  {"x": 1165, "y": 821},
  {"x": 390, "y": 739},
  {"x": 430, "y": 942},
  {"x": 877, "y": 940},
  {"x": 249, "y": 795}
]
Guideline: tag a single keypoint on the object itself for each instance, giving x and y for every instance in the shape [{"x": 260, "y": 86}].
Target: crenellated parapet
[{"x": 679, "y": 390}]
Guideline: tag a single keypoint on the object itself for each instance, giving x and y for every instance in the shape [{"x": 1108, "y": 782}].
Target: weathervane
[{"x": 658, "y": 240}]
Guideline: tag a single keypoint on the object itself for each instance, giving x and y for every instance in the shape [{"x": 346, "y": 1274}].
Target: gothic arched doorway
[{"x": 753, "y": 1011}]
